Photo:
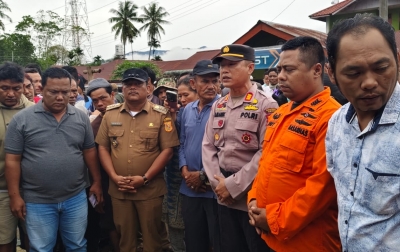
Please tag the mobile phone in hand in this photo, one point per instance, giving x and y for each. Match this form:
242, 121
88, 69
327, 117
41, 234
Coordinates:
172, 99
93, 200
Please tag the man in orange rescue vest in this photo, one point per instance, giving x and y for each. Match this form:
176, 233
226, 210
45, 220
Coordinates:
292, 203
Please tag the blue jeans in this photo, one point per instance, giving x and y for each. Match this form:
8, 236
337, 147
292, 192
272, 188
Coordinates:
69, 217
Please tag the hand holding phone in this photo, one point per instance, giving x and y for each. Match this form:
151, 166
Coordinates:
93, 200
172, 99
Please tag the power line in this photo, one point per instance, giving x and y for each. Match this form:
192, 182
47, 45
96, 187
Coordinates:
173, 18
283, 10
186, 7
197, 9
101, 7
203, 26
21, 20
180, 5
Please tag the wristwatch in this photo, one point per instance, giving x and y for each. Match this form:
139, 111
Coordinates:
145, 180
203, 176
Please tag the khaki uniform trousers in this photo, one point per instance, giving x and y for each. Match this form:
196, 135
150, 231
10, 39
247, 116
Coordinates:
131, 216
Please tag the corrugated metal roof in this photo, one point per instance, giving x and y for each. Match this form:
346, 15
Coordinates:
332, 9
298, 31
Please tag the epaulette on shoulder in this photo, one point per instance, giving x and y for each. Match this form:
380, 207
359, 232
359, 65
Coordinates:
113, 106
160, 109
262, 92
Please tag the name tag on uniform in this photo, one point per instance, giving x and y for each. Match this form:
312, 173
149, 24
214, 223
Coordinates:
116, 124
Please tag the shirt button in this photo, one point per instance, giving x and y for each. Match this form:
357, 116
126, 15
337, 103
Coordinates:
346, 222
130, 146
355, 165
351, 193
131, 131
129, 161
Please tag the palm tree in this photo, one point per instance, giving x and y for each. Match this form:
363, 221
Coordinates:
3, 8
131, 37
153, 19
124, 17
153, 43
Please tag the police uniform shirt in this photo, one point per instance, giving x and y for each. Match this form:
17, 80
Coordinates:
232, 141
135, 142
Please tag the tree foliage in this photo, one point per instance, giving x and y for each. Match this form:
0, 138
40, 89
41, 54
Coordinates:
74, 57
3, 9
121, 68
44, 28
97, 61
123, 21
154, 19
153, 43
58, 54
16, 47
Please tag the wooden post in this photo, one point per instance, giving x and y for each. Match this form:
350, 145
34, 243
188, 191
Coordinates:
383, 9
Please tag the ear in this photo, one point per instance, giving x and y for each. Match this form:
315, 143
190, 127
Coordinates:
112, 94
331, 75
192, 83
148, 88
250, 68
398, 59
318, 70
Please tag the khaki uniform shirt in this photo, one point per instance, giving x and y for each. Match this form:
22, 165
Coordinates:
233, 140
135, 142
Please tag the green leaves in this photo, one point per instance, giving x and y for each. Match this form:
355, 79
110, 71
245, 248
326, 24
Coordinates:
16, 47
3, 9
123, 20
117, 73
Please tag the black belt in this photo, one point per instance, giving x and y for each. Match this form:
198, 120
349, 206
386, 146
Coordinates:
226, 173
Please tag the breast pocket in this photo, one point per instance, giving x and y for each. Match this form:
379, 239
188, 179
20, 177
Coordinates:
246, 134
116, 137
381, 190
291, 152
148, 140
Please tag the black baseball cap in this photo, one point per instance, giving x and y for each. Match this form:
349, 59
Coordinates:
235, 53
205, 67
136, 74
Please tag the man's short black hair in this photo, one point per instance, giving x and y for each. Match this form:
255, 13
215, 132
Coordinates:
150, 73
109, 90
358, 25
12, 72
55, 73
35, 66
31, 70
273, 69
72, 71
311, 51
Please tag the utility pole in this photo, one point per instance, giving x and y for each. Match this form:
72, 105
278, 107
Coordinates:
383, 9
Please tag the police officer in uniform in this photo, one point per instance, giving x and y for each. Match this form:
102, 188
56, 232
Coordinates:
232, 146
136, 140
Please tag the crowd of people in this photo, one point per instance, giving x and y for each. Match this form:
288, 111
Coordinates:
307, 161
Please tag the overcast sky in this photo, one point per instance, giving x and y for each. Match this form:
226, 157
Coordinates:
224, 21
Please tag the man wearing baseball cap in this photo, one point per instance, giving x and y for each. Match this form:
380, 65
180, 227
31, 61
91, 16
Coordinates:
136, 140
232, 146
199, 204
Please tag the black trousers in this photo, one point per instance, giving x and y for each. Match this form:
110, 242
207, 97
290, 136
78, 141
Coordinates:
236, 232
200, 216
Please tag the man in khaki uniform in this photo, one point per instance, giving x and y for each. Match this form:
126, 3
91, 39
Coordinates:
135, 143
232, 146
